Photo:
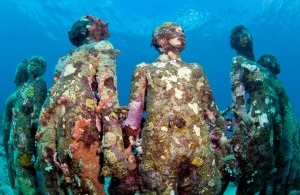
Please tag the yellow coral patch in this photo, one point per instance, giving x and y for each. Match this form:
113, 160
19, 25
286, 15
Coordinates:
90, 103
198, 162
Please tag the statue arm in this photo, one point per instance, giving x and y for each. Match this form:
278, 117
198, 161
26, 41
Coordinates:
212, 116
137, 99
106, 76
40, 94
238, 91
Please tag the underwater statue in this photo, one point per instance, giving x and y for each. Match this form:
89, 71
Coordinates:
256, 118
288, 156
20, 78
183, 126
69, 135
30, 98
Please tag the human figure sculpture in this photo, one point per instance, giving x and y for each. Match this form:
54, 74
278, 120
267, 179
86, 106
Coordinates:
256, 119
181, 119
288, 156
20, 78
26, 110
69, 136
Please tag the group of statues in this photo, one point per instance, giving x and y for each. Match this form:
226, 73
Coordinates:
170, 139
266, 138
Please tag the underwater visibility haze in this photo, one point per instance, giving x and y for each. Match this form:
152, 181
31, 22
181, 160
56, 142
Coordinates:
33, 27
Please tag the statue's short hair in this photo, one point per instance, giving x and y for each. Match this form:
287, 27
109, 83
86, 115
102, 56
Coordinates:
163, 33
38, 64
88, 29
270, 62
21, 75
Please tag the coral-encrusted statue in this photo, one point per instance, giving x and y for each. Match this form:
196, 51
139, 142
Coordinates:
257, 120
26, 110
288, 156
68, 139
182, 118
20, 78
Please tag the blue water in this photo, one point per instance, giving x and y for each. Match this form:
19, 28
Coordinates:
30, 27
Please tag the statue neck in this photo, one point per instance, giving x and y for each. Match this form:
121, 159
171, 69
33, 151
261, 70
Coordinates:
169, 55
247, 54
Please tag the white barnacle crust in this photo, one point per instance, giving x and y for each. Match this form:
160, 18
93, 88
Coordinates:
178, 93
168, 80
257, 111
174, 63
143, 64
213, 162
184, 73
200, 83
164, 128
159, 64
194, 107
176, 108
69, 70
224, 139
149, 79
176, 140
249, 66
197, 130
263, 119
103, 45
234, 60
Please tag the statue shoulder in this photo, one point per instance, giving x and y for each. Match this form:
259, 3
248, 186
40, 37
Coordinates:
103, 45
238, 60
142, 65
196, 68
194, 65
140, 69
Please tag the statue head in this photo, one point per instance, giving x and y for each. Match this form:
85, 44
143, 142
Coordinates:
88, 29
36, 66
240, 38
168, 37
269, 61
21, 75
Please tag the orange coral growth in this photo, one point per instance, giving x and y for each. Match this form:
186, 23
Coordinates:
111, 94
193, 145
101, 104
38, 135
45, 115
90, 159
81, 123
